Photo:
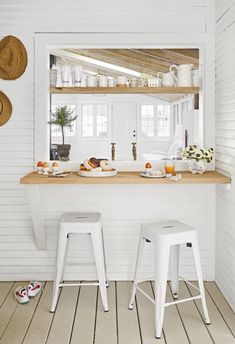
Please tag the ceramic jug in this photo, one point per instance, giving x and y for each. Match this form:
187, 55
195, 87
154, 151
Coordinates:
168, 79
122, 80
91, 81
184, 74
102, 81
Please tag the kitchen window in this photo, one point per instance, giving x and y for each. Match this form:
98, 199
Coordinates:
94, 119
155, 121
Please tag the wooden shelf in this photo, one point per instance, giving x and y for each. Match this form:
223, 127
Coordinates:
125, 90
212, 177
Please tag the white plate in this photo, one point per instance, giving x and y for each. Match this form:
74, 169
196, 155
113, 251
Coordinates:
148, 175
97, 174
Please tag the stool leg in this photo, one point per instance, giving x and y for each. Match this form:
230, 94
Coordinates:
137, 269
99, 260
162, 253
175, 270
200, 280
105, 265
60, 261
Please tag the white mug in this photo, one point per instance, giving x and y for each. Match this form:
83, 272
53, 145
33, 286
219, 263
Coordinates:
195, 76
91, 81
122, 80
133, 82
168, 79
102, 81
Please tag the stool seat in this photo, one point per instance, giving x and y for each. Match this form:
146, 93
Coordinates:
81, 223
172, 230
77, 218
167, 236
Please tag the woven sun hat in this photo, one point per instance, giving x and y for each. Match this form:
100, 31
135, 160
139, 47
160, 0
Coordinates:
13, 58
5, 109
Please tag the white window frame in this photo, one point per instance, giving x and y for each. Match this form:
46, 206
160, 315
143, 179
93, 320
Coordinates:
155, 137
96, 138
46, 41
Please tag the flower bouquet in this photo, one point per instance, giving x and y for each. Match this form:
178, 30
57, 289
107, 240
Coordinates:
197, 156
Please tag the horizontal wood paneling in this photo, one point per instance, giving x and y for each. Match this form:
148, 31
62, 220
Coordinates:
225, 146
103, 16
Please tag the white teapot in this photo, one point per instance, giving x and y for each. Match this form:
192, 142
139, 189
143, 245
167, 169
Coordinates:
184, 74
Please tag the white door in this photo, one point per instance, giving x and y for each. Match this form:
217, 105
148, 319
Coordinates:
124, 128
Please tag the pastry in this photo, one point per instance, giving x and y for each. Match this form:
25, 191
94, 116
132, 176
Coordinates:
94, 162
87, 165
106, 166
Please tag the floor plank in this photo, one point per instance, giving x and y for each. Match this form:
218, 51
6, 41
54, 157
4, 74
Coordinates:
218, 328
222, 304
106, 326
19, 322
39, 328
84, 323
146, 316
8, 307
80, 318
5, 288
63, 319
173, 326
128, 329
194, 326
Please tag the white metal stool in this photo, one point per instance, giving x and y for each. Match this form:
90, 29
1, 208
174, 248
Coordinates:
167, 237
81, 223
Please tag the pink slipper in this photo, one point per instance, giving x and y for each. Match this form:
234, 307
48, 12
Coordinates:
21, 295
33, 288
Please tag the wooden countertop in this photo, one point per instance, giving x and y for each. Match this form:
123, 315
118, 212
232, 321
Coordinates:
212, 177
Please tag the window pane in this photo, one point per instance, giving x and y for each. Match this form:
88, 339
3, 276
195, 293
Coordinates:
147, 120
87, 120
163, 112
102, 120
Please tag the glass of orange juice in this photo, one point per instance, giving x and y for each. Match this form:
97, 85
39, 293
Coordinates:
170, 167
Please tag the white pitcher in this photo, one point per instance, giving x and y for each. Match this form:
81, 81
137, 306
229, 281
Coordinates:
102, 81
184, 74
168, 79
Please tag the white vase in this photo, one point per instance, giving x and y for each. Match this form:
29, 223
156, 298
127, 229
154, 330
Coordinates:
196, 167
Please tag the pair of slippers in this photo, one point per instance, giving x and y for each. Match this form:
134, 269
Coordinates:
22, 294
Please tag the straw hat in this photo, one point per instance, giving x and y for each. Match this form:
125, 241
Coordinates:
13, 58
5, 109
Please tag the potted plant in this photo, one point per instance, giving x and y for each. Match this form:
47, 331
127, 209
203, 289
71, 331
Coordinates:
197, 156
63, 118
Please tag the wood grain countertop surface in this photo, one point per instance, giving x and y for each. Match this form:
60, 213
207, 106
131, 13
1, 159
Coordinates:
210, 177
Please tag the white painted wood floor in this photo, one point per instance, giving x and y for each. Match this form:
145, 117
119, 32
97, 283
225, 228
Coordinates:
80, 319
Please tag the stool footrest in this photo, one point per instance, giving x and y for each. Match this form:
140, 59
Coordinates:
183, 300
145, 294
78, 284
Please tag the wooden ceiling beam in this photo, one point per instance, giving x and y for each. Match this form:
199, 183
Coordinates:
134, 62
170, 56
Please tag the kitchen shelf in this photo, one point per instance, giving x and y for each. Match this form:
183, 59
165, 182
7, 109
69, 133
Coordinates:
124, 90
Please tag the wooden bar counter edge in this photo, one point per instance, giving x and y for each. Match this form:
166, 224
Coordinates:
210, 177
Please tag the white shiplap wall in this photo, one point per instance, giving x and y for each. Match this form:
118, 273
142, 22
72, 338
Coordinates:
225, 146
19, 258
